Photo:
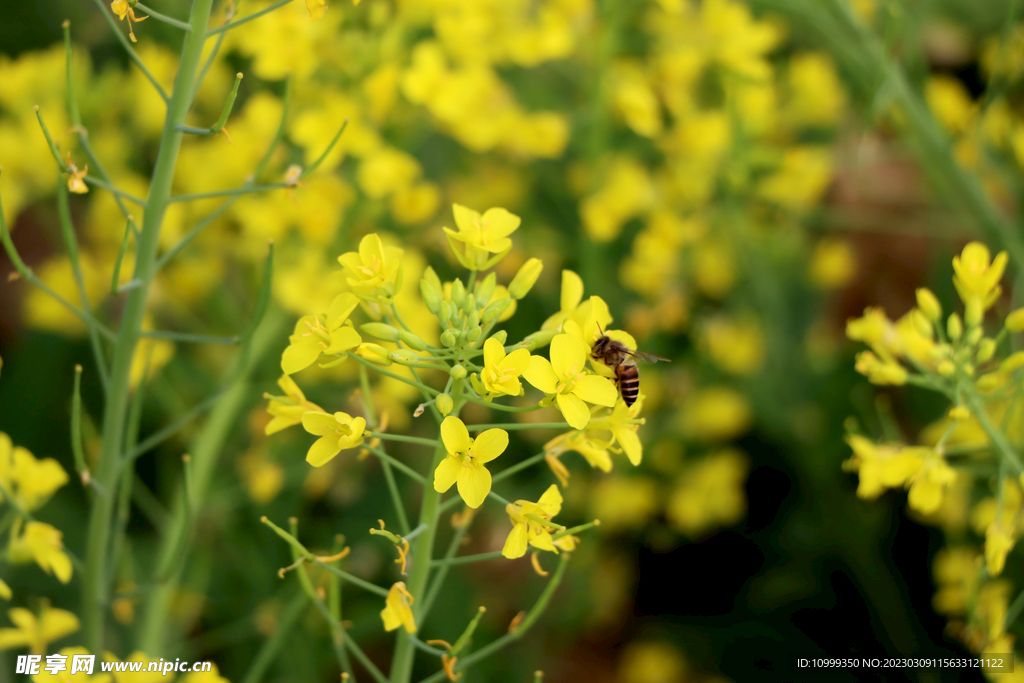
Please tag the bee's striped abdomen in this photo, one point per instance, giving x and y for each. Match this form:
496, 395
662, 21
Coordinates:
629, 382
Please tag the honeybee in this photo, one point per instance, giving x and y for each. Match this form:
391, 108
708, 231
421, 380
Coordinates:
615, 354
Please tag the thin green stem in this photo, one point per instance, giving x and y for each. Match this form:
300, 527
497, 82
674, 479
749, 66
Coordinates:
132, 54
507, 409
442, 572
535, 612
466, 559
246, 19
155, 439
509, 471
406, 439
398, 464
105, 185
188, 337
509, 426
273, 645
389, 476
184, 26
236, 191
71, 245
388, 373
997, 437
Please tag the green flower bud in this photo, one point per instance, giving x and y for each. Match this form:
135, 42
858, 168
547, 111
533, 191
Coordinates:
1013, 362
973, 336
946, 368
431, 295
445, 312
444, 404
921, 324
381, 331
954, 328
430, 276
405, 357
469, 304
449, 338
1015, 321
929, 304
991, 381
375, 353
412, 340
458, 293
474, 318
457, 372
485, 289
494, 310
474, 333
524, 280
986, 349
501, 336
538, 339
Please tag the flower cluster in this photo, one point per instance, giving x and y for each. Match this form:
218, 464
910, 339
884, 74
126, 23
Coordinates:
966, 468
478, 368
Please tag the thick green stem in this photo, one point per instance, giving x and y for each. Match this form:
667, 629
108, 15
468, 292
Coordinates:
206, 452
95, 587
419, 572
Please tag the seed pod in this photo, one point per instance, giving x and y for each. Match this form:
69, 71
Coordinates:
444, 404
501, 336
524, 280
381, 331
538, 339
412, 340
457, 372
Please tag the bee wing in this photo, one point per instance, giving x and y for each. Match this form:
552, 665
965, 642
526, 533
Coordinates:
647, 357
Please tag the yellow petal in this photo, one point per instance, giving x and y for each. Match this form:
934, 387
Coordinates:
568, 354
515, 544
446, 473
498, 223
300, 355
573, 409
540, 374
517, 361
494, 352
455, 435
543, 541
343, 339
316, 423
489, 445
465, 219
597, 390
341, 309
5, 590
474, 485
572, 290
630, 443
551, 501
325, 448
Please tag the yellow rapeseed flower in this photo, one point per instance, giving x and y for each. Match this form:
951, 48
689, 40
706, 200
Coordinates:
500, 374
976, 276
337, 432
526, 530
40, 543
397, 609
30, 481
76, 178
375, 271
465, 462
288, 410
484, 237
312, 337
123, 9
998, 543
566, 379
34, 632
882, 466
